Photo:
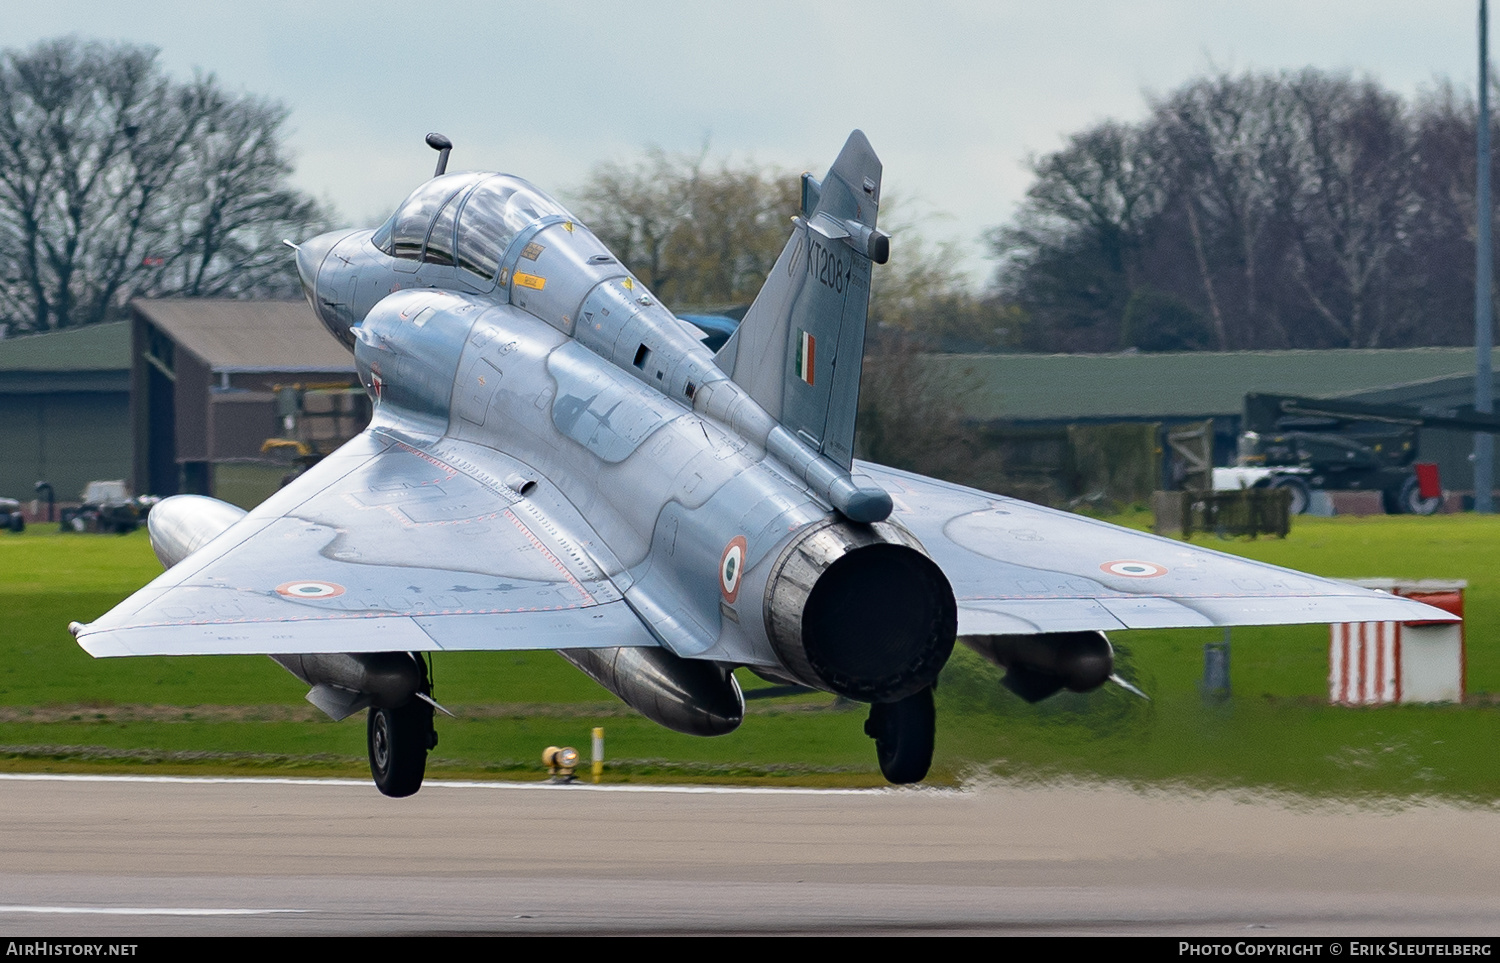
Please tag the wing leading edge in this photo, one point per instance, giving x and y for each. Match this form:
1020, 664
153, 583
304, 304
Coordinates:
384, 546
1020, 569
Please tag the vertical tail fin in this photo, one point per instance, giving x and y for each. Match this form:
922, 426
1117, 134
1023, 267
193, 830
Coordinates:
800, 348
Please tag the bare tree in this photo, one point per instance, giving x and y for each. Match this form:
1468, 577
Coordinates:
1220, 132
1442, 235
705, 235
1299, 210
222, 238
923, 298
697, 234
1072, 256
1347, 192
116, 181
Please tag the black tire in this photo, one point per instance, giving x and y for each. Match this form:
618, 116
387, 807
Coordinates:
1411, 502
904, 733
1301, 494
18, 523
398, 740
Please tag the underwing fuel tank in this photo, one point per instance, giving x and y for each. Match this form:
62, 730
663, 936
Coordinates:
1037, 666
182, 524
344, 683
690, 696
861, 611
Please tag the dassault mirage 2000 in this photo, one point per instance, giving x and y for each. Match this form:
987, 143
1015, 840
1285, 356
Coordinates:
556, 461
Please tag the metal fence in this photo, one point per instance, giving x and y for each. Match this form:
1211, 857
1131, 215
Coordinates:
1227, 514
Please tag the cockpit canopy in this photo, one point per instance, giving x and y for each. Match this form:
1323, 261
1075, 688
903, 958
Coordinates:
466, 220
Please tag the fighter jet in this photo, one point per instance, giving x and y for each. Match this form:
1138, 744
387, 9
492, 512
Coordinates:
556, 461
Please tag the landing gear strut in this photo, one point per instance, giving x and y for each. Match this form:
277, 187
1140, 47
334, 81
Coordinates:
904, 732
399, 739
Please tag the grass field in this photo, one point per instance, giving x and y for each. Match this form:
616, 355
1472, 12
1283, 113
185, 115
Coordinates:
61, 710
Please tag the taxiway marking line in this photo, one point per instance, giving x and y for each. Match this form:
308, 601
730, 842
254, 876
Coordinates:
144, 910
474, 784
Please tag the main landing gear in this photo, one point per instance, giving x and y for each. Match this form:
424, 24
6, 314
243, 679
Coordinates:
399, 739
904, 732
399, 736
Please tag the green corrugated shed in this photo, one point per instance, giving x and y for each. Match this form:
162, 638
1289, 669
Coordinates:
1036, 387
101, 347
65, 409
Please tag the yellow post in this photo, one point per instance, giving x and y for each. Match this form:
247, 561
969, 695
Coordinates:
598, 753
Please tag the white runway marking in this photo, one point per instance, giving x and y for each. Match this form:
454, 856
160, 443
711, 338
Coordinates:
474, 784
144, 910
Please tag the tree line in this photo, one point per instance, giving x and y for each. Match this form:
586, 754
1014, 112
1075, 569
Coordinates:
704, 235
1289, 210
1252, 211
117, 181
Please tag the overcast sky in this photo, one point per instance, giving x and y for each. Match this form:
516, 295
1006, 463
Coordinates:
954, 96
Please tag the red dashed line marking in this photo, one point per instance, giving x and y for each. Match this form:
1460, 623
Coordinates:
556, 562
449, 470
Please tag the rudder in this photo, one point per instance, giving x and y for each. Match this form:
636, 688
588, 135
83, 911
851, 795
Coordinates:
800, 349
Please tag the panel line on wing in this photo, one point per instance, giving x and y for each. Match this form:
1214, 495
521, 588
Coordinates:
535, 519
1016, 567
263, 516
516, 501
547, 554
339, 616
426, 456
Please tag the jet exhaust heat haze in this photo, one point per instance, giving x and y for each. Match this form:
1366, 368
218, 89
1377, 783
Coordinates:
556, 461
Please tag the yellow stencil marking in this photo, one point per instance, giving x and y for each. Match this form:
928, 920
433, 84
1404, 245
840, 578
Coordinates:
530, 281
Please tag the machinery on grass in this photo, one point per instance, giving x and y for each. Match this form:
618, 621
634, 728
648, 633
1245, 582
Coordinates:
1324, 444
107, 506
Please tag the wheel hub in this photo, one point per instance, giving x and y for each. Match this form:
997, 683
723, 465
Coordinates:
381, 744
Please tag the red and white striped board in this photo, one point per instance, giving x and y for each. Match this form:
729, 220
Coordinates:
1364, 663
1375, 663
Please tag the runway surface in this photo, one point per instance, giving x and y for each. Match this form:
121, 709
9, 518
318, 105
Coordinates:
118, 857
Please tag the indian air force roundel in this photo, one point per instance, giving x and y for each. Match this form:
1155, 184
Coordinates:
731, 568
1130, 568
309, 590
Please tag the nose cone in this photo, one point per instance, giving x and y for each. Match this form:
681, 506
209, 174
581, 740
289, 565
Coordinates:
310, 256
328, 289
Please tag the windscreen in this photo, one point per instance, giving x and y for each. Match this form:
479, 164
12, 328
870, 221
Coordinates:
492, 215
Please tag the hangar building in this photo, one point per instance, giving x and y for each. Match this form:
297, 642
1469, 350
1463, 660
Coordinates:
204, 380
182, 397
64, 410
1028, 400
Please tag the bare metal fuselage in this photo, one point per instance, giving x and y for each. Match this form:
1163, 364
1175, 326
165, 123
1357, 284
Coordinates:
571, 385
